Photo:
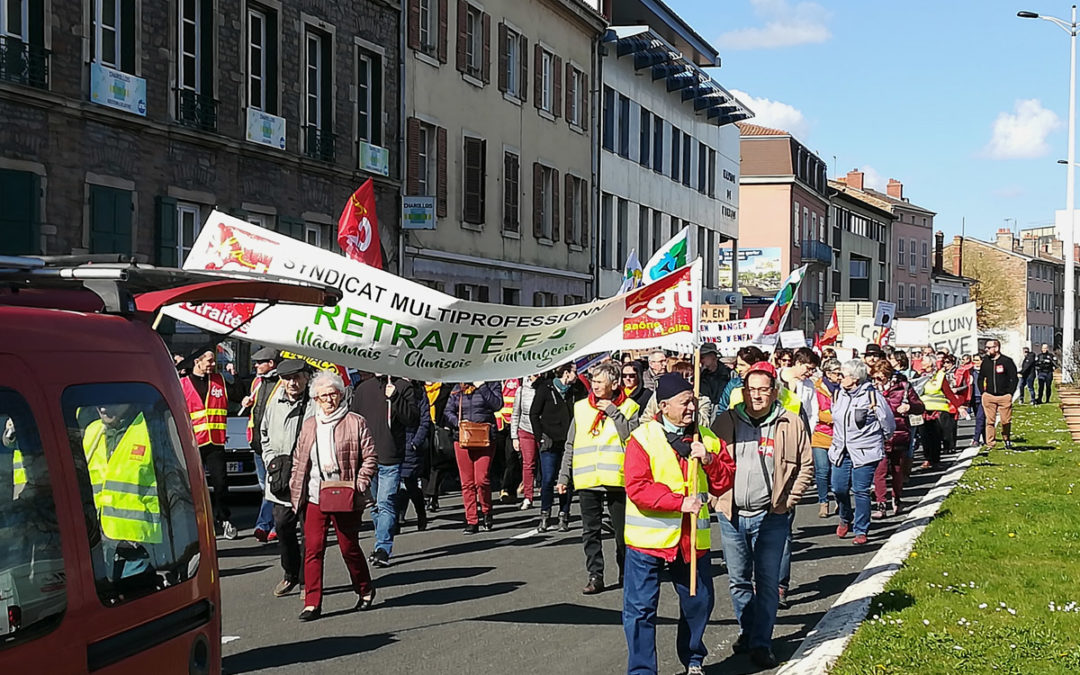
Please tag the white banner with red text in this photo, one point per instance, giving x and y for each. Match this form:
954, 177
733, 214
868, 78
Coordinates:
390, 325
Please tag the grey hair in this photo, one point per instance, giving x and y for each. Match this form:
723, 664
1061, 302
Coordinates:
829, 365
855, 368
610, 370
324, 377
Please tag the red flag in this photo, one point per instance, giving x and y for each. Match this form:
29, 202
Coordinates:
817, 342
832, 331
746, 315
358, 227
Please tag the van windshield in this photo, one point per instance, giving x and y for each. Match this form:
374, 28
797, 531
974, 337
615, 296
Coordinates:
135, 488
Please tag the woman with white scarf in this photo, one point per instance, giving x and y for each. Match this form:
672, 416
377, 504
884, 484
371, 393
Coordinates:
334, 445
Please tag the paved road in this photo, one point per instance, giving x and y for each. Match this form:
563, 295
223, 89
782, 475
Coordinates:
504, 601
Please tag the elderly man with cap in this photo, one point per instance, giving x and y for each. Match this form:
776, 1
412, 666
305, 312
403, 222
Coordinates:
667, 525
288, 407
774, 466
262, 386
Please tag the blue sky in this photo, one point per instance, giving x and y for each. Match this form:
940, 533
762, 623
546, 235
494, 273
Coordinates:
962, 101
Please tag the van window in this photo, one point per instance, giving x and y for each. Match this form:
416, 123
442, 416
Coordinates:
33, 587
135, 489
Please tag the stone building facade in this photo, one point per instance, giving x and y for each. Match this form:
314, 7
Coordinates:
122, 131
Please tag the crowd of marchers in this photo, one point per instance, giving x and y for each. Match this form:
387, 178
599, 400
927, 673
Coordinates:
650, 457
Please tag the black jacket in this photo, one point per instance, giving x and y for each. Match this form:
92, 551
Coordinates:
997, 377
370, 402
1028, 364
714, 383
1045, 363
550, 415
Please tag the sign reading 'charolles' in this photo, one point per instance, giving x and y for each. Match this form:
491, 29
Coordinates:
390, 325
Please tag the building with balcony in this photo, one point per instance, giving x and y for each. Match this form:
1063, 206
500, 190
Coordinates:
500, 118
124, 123
860, 238
911, 263
784, 213
669, 147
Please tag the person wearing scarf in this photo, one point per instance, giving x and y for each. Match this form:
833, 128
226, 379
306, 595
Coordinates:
595, 449
666, 525
336, 445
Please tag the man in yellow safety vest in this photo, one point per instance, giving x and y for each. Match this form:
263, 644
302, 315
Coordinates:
595, 446
667, 524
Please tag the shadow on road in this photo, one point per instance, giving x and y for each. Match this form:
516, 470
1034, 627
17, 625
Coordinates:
445, 596
237, 571
307, 651
565, 614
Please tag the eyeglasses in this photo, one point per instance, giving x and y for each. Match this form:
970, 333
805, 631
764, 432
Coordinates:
629, 376
329, 396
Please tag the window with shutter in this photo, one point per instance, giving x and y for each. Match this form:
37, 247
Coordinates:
547, 79
113, 38
166, 235
441, 178
609, 119
606, 233
188, 224
19, 220
369, 96
512, 69
110, 220
511, 191
473, 183
262, 58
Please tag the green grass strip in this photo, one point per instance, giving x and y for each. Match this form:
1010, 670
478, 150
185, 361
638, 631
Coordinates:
993, 584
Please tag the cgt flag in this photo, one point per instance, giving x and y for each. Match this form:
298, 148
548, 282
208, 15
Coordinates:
358, 227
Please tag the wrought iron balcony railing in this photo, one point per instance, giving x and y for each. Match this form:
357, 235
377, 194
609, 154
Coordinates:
319, 144
23, 63
196, 110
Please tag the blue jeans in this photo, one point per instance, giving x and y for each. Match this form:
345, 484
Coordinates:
265, 520
979, 435
641, 596
549, 474
752, 547
1029, 383
846, 479
785, 557
821, 474
387, 482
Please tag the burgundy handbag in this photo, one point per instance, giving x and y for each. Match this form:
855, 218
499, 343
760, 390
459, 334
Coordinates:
335, 496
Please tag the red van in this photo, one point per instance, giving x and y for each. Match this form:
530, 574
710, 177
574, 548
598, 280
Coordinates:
107, 556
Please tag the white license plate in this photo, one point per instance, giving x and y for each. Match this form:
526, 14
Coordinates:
234, 467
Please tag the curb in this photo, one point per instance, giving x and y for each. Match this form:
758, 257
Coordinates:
827, 641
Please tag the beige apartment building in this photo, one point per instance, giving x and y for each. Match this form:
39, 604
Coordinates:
499, 122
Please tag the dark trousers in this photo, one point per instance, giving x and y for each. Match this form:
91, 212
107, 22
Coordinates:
213, 458
592, 514
434, 482
933, 438
348, 536
1046, 382
948, 432
979, 435
285, 522
411, 493
511, 476
549, 474
1028, 382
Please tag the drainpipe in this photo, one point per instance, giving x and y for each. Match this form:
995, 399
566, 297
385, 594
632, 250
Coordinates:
402, 158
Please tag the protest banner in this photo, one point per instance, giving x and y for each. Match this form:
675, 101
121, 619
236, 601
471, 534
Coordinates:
955, 329
731, 336
867, 330
793, 339
390, 325
911, 332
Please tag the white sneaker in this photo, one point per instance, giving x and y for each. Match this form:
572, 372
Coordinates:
229, 530
526, 505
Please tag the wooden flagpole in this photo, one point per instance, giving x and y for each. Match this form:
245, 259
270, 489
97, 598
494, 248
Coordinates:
693, 469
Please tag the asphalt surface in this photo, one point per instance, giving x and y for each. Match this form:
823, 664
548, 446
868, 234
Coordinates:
503, 601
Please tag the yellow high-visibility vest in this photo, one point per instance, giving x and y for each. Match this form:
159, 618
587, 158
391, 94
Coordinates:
19, 470
125, 484
598, 458
655, 530
932, 397
786, 397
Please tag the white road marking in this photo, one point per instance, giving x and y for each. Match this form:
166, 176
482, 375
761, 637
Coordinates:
226, 639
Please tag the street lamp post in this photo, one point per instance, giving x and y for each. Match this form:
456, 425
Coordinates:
1069, 311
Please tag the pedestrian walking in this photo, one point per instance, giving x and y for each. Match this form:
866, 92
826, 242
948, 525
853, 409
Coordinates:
521, 431
414, 464
773, 468
207, 402
862, 423
998, 378
471, 414
821, 437
1044, 372
1027, 375
978, 435
506, 446
667, 525
334, 465
939, 422
595, 450
551, 412
906, 407
286, 411
658, 365
262, 388
442, 460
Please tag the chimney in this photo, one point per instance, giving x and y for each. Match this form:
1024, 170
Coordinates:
939, 244
1029, 245
1057, 248
895, 189
855, 179
1004, 238
958, 256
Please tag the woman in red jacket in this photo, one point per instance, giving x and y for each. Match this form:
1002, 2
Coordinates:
904, 402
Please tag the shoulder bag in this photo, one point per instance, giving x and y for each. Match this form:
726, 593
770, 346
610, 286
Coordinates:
279, 469
913, 420
335, 496
472, 435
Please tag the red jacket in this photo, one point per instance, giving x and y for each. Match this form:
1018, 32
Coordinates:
648, 494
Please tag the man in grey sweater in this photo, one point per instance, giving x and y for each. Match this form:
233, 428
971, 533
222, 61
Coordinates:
285, 412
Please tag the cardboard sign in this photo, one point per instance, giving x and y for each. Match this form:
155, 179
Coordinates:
792, 339
954, 329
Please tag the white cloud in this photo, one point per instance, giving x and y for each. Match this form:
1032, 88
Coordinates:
775, 114
786, 24
1022, 134
873, 179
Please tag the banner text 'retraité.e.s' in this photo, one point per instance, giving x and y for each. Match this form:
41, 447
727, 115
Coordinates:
391, 325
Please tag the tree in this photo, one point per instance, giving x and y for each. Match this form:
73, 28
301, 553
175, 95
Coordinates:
998, 301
